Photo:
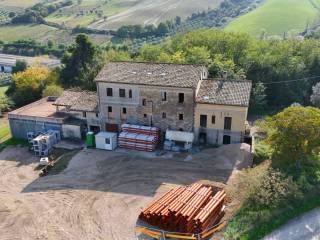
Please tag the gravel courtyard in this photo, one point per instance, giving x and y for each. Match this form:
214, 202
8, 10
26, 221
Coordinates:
100, 194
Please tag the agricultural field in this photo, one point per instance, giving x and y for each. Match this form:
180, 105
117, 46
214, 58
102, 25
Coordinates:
4, 16
278, 16
17, 5
37, 32
112, 14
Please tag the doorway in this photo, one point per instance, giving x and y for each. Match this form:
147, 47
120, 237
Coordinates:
226, 139
95, 129
112, 127
202, 138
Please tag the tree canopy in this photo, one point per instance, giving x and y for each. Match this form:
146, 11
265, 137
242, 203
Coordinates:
82, 63
271, 62
20, 66
294, 135
28, 85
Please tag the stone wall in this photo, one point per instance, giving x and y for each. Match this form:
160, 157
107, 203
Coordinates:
154, 109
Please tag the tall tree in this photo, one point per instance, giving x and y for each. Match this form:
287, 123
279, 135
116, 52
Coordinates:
29, 84
294, 135
81, 64
258, 98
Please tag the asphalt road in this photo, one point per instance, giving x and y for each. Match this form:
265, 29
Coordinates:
306, 227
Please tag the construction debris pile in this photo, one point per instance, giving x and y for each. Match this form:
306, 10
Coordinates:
139, 138
191, 209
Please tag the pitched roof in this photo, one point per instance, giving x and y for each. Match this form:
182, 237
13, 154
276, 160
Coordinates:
224, 92
171, 75
78, 100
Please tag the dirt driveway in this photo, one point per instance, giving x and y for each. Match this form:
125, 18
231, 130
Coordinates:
100, 194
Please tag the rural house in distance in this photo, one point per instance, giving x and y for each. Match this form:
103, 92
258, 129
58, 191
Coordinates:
168, 96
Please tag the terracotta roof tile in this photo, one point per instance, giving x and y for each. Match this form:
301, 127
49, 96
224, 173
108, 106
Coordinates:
171, 75
225, 92
78, 100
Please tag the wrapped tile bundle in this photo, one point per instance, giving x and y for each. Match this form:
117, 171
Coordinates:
138, 142
145, 130
190, 209
139, 138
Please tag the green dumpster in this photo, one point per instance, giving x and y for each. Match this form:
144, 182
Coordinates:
90, 140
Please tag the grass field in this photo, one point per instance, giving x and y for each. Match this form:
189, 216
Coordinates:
37, 32
278, 16
17, 4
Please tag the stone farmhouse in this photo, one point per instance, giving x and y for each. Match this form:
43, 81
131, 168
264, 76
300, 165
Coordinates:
169, 96
175, 97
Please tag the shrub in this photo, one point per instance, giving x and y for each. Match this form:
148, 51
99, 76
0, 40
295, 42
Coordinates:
263, 186
52, 90
262, 152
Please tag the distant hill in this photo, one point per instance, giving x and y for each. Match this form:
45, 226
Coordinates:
278, 16
112, 14
95, 14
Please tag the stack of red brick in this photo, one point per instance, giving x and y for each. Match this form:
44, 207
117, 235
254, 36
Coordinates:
140, 138
191, 209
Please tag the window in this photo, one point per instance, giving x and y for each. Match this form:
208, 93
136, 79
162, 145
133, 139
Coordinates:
181, 97
122, 92
109, 92
145, 115
84, 114
164, 96
164, 115
180, 116
110, 109
203, 121
227, 123
130, 93
97, 115
144, 102
107, 140
124, 110
213, 119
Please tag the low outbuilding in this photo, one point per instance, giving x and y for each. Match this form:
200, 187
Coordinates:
106, 140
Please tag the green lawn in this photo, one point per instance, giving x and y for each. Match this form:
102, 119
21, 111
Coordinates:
5, 133
278, 16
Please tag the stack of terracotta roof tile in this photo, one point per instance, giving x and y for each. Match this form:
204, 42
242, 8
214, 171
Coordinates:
145, 130
191, 209
140, 138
